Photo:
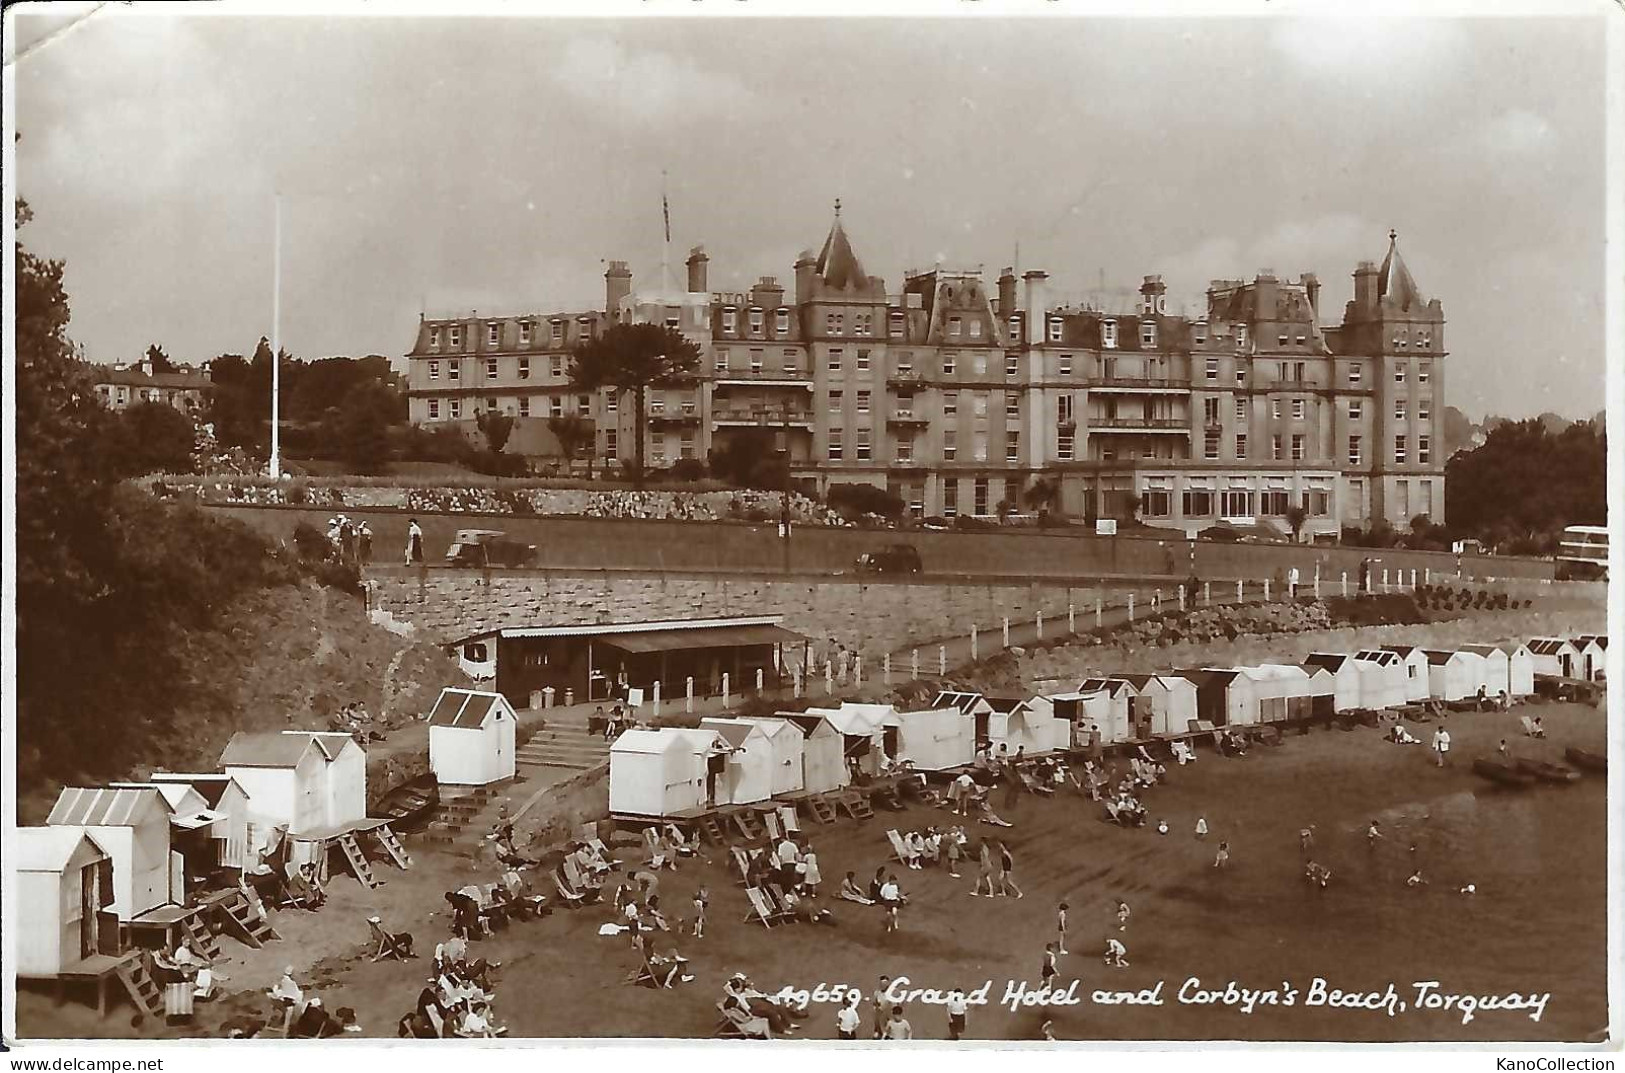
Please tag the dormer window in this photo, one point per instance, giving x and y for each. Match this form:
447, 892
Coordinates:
953, 327
493, 334
896, 325
1201, 331
976, 329
781, 321
1241, 337
1055, 329
1015, 328
434, 338
756, 322
454, 336
1148, 333
558, 332
524, 333
730, 319
584, 327
1108, 334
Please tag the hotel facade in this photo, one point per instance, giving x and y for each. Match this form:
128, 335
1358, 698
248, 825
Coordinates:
958, 398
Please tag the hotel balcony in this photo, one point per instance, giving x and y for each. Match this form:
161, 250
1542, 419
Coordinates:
911, 378
907, 417
763, 377
675, 419
1153, 385
908, 463
761, 416
1176, 425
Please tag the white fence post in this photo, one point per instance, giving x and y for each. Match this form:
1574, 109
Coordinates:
1071, 618
857, 671
1039, 621
885, 668
914, 663
795, 682
1097, 612
688, 702
1006, 634
974, 655
1181, 597
1345, 584
1207, 592
758, 679
725, 692
654, 699
942, 659
1240, 592
1413, 580
1266, 590
1317, 584
1385, 579
829, 677
1131, 607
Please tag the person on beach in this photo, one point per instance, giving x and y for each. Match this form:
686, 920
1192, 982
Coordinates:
1201, 828
1122, 915
852, 892
414, 542
1060, 927
1222, 858
967, 791
1007, 868
951, 850
1441, 745
1317, 875
1503, 750
1415, 879
1306, 838
1050, 969
701, 900
1162, 827
897, 1027
1047, 1030
1116, 953
984, 873
847, 1019
957, 1006
881, 1004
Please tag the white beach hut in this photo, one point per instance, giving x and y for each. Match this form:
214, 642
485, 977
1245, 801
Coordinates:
749, 774
935, 739
664, 772
1554, 656
1417, 674
130, 825
230, 802
310, 783
823, 760
1117, 724
1347, 692
862, 736
471, 738
1593, 650
1493, 668
1452, 674
789, 747
1389, 683
1172, 700
63, 912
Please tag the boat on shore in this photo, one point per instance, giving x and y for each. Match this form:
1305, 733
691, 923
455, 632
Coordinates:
1586, 760
1502, 774
1547, 772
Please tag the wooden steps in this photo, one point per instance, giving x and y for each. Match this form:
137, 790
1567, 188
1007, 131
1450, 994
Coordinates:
237, 917
200, 938
358, 860
820, 809
711, 830
391, 842
749, 824
855, 805
142, 988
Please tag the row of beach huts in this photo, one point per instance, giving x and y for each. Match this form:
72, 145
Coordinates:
686, 773
132, 865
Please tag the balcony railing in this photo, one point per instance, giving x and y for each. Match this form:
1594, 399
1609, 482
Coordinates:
797, 377
906, 378
759, 415
1152, 383
1139, 424
906, 417
675, 417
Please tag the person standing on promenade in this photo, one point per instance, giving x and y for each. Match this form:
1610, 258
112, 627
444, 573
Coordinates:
957, 1007
1441, 745
1060, 927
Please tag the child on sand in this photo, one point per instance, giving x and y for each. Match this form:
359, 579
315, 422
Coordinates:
1201, 828
1372, 833
951, 850
1060, 926
881, 1004
1223, 856
1051, 970
701, 900
1007, 869
984, 871
1122, 915
846, 1018
1116, 953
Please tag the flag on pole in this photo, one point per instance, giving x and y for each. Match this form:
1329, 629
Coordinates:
665, 212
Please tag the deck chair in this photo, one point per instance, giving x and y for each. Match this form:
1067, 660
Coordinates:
727, 1027
787, 819
576, 879
899, 851
644, 975
1529, 727
686, 846
1033, 786
437, 1021
571, 896
773, 894
760, 912
741, 863
389, 946
302, 892
770, 820
651, 840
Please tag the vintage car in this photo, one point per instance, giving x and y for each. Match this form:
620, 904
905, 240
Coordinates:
488, 547
891, 559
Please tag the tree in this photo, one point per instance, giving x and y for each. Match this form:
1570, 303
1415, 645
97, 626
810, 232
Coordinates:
497, 427
154, 438
160, 361
1524, 483
363, 427
573, 433
747, 459
1044, 493
634, 358
1296, 516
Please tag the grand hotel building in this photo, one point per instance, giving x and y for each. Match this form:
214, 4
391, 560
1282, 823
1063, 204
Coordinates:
957, 398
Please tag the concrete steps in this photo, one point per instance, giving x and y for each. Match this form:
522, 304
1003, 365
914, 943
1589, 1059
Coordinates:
465, 815
564, 745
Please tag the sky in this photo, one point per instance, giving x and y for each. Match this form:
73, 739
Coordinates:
444, 165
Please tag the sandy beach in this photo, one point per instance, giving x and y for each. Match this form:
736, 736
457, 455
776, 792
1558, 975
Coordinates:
1535, 924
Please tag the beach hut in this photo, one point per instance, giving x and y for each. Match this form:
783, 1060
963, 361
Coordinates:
305, 781
788, 743
823, 760
131, 825
1346, 679
1225, 696
1453, 675
665, 772
471, 738
63, 912
748, 777
1286, 690
1554, 656
991, 720
230, 802
1118, 723
1493, 668
1389, 681
862, 736
1322, 689
1520, 668
1593, 650
1416, 670
969, 703
935, 739
1084, 714
192, 830
1172, 700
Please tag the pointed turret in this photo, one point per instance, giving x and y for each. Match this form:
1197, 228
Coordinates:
1394, 282
837, 265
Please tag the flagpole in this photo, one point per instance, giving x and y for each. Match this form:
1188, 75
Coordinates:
276, 352
665, 249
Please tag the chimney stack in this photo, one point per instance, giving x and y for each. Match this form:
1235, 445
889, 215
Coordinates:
1311, 287
1365, 287
617, 285
1007, 292
768, 293
806, 266
1153, 297
1267, 295
1033, 285
697, 260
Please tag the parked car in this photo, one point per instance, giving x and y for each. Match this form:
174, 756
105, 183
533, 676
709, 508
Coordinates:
891, 559
488, 547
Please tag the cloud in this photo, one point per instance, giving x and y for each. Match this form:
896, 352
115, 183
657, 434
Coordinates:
646, 87
1328, 246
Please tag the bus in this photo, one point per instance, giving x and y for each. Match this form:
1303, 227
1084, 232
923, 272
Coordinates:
1582, 553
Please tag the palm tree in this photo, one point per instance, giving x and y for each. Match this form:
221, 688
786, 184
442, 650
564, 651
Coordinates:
573, 432
634, 357
1296, 515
